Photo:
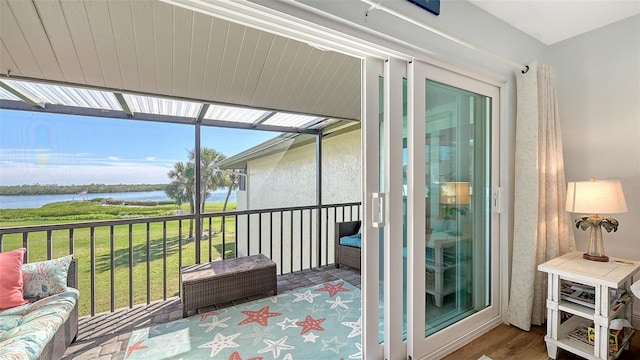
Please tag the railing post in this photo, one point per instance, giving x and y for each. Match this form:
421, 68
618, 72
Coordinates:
223, 230
49, 245
25, 244
112, 266
92, 262
164, 260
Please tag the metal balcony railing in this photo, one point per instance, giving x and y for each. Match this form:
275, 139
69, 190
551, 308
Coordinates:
123, 263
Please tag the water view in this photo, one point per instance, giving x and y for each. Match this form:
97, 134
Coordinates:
36, 201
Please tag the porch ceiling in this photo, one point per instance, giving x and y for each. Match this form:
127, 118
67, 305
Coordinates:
153, 48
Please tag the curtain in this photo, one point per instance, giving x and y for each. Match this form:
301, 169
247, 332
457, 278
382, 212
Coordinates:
542, 227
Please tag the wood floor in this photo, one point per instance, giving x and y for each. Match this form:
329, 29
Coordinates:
510, 343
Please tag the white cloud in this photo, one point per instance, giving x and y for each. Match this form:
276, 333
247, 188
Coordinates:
129, 173
22, 166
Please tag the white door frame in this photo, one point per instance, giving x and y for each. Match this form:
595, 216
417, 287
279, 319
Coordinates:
372, 69
394, 72
460, 333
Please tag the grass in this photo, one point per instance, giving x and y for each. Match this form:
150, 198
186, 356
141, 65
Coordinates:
108, 264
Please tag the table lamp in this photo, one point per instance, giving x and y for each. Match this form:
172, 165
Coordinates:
596, 197
455, 193
455, 198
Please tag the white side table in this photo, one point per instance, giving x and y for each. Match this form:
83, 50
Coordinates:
603, 276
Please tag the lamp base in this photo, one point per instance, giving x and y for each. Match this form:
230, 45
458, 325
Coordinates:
601, 258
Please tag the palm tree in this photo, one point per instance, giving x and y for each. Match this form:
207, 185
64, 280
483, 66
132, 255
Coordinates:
232, 182
210, 178
182, 187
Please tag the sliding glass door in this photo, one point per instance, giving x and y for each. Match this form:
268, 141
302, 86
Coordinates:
451, 174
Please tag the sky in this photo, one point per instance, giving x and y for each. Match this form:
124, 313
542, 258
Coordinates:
42, 148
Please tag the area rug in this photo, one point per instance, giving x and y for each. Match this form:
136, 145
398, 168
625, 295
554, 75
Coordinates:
319, 322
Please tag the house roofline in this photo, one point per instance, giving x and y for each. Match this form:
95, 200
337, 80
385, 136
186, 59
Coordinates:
283, 142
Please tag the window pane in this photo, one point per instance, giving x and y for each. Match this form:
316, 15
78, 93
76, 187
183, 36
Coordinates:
457, 174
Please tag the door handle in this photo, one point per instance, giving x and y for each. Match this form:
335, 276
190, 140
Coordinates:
377, 210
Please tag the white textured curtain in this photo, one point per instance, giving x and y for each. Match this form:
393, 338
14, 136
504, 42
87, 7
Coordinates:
542, 228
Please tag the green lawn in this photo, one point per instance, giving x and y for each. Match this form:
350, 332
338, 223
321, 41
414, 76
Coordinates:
156, 250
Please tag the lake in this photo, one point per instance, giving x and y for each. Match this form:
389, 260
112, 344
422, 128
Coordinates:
36, 201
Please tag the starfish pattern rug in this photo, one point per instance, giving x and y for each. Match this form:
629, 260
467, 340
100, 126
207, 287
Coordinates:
319, 322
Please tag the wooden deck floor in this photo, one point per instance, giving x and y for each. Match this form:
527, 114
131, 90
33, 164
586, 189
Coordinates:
510, 343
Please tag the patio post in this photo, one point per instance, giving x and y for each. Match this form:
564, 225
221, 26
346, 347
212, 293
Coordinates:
319, 195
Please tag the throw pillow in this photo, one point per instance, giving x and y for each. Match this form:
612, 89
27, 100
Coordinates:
45, 278
11, 281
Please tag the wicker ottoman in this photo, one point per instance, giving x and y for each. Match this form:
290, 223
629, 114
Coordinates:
221, 281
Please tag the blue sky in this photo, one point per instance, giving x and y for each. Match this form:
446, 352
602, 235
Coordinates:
64, 149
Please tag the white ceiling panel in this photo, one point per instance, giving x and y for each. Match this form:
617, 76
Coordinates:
122, 27
17, 46
151, 47
231, 52
42, 53
57, 31
182, 30
163, 35
218, 33
263, 86
199, 52
256, 70
77, 19
105, 43
5, 59
244, 61
145, 43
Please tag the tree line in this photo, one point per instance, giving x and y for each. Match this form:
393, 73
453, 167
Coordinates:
41, 189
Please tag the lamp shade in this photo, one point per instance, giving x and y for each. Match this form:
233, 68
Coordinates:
595, 197
455, 193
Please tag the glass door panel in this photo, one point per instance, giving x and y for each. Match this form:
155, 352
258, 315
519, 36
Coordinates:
452, 170
456, 226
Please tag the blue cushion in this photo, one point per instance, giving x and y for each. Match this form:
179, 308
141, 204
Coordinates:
352, 240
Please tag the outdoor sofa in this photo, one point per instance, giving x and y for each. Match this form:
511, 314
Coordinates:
44, 328
348, 243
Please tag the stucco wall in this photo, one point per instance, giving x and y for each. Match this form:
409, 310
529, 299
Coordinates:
289, 178
283, 179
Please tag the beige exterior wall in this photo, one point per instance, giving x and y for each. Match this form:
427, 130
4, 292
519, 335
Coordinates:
288, 179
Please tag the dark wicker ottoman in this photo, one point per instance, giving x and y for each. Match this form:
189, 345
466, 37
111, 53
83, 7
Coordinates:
221, 281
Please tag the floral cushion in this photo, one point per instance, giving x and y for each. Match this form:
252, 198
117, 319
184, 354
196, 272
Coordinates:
45, 278
25, 330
